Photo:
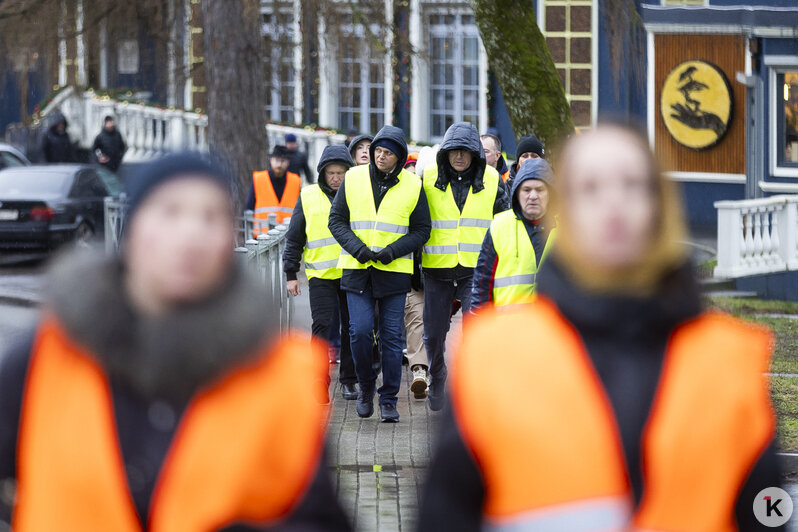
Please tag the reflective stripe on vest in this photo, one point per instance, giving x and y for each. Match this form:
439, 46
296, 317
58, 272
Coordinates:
321, 249
266, 199
378, 228
71, 476
553, 466
515, 280
611, 513
456, 237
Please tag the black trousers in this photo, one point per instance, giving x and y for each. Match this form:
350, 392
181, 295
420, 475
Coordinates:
327, 298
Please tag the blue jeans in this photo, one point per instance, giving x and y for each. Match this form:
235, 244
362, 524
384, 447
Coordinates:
361, 334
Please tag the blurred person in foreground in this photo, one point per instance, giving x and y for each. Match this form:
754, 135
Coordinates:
157, 392
613, 400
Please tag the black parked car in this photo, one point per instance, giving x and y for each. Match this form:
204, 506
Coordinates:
42, 206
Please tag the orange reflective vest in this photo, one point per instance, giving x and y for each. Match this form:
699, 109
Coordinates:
546, 440
506, 176
246, 449
266, 201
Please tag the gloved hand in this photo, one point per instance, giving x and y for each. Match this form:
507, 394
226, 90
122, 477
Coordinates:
385, 255
365, 255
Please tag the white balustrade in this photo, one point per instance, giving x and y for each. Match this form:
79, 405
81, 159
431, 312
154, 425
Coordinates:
150, 132
757, 236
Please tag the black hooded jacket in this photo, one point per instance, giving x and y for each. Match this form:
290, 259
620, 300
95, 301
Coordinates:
56, 146
488, 260
464, 135
111, 144
296, 237
380, 282
625, 338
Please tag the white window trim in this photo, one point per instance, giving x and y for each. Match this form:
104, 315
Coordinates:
274, 8
662, 2
707, 177
425, 133
775, 68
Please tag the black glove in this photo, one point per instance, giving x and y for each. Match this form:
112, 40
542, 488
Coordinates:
365, 255
385, 255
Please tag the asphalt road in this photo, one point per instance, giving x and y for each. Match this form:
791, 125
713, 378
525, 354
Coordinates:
15, 322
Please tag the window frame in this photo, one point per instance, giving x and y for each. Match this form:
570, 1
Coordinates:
777, 66
459, 32
285, 37
368, 57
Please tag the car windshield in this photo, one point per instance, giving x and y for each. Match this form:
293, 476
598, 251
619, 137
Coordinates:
25, 182
111, 181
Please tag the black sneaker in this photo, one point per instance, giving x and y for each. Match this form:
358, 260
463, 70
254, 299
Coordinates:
436, 398
365, 403
349, 391
388, 413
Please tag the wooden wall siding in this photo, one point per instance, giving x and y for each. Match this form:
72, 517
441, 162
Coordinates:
727, 52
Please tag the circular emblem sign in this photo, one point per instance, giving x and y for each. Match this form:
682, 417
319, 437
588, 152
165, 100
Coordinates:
696, 104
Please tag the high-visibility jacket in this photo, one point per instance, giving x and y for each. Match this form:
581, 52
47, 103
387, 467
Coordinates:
506, 175
321, 249
266, 201
377, 228
456, 237
546, 439
515, 280
247, 449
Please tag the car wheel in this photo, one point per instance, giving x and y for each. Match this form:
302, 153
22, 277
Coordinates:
84, 234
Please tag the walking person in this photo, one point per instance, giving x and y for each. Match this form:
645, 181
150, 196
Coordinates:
156, 393
297, 159
309, 237
379, 216
109, 148
57, 147
528, 148
613, 401
518, 241
274, 191
492, 147
360, 149
464, 194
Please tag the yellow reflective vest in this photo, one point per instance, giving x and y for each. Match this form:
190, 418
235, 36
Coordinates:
456, 237
515, 281
321, 249
377, 228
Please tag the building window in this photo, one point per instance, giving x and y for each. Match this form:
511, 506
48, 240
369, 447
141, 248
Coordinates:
454, 71
361, 80
786, 119
278, 32
567, 26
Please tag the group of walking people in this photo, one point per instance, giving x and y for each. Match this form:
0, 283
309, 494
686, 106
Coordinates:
589, 391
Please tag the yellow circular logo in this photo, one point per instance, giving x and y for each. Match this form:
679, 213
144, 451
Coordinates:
696, 104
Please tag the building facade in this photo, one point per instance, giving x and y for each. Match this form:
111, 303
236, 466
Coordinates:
714, 82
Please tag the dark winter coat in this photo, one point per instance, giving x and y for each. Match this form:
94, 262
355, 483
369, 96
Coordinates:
488, 260
111, 144
298, 163
296, 237
56, 146
625, 339
380, 282
464, 135
146, 367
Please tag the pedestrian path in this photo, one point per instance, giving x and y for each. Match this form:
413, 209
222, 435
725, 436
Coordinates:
379, 468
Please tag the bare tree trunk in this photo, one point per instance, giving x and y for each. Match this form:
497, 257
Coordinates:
235, 86
528, 79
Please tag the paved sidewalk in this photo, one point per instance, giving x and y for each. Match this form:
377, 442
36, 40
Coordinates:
381, 467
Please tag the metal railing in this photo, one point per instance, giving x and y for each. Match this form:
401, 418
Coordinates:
757, 236
264, 255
